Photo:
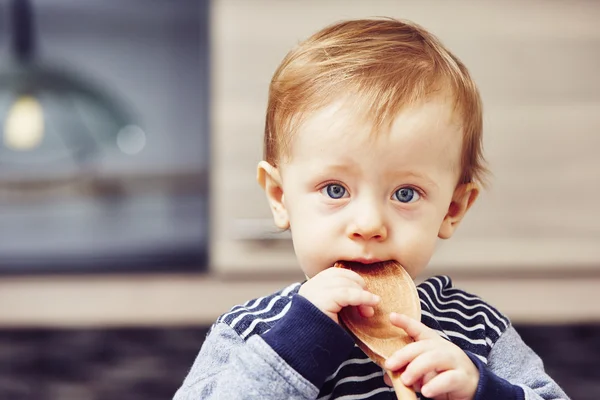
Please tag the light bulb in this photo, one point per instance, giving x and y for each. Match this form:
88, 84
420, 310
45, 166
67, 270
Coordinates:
24, 124
131, 139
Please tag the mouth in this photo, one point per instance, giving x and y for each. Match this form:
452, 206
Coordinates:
362, 261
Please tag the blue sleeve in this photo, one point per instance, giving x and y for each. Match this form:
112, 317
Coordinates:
492, 387
309, 341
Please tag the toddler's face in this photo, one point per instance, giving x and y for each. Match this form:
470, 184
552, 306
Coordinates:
349, 195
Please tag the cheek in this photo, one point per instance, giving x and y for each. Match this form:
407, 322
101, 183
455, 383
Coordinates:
417, 248
312, 240
416, 241
309, 254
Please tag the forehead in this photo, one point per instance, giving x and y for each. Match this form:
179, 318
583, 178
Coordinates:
425, 132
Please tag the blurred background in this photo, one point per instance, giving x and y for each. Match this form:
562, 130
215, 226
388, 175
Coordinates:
129, 213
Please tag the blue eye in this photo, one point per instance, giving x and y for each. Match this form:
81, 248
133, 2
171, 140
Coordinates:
406, 195
334, 191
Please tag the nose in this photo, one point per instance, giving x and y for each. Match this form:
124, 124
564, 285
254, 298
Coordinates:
368, 225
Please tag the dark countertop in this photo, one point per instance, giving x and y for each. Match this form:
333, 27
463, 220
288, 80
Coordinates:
150, 363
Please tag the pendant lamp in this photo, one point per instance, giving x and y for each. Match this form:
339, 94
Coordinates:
53, 121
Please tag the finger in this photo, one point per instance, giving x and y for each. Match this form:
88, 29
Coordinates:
425, 363
427, 377
412, 327
420, 382
348, 274
366, 311
337, 281
451, 381
407, 354
347, 296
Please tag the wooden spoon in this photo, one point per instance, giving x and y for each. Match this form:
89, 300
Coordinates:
376, 335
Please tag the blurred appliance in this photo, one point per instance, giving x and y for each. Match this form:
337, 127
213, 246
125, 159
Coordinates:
104, 170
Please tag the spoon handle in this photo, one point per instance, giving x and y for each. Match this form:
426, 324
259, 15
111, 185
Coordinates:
402, 392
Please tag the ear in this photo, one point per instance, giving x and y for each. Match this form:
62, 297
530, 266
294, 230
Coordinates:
269, 179
463, 198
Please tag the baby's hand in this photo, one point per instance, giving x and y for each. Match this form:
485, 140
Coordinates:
439, 367
335, 288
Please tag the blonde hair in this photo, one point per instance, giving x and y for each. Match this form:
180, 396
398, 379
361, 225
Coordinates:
388, 64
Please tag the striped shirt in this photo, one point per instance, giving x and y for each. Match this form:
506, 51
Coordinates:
458, 316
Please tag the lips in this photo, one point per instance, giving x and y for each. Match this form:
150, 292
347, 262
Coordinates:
365, 260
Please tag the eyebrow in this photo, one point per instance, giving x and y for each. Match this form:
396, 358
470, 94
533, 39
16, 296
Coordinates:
339, 167
418, 176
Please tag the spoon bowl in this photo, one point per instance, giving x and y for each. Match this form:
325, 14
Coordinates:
375, 335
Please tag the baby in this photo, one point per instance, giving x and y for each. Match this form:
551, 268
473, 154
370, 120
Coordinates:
373, 151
